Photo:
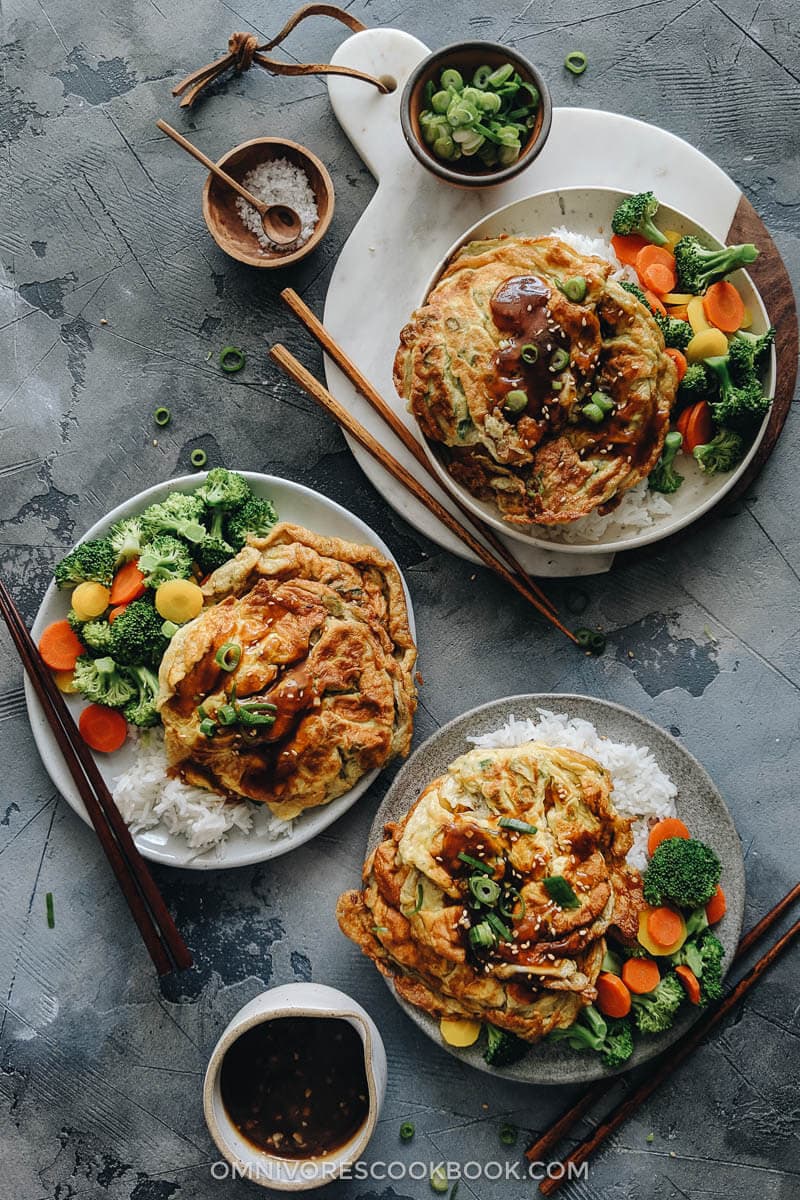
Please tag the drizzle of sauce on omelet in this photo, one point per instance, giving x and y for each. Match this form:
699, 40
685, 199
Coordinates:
519, 310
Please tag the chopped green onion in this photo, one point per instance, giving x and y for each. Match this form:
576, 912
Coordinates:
198, 458
501, 75
420, 898
575, 289
475, 863
509, 902
407, 1131
481, 77
559, 360
253, 716
482, 935
516, 400
556, 385
162, 416
499, 928
379, 929
593, 413
439, 1181
208, 727
228, 656
560, 891
231, 359
591, 639
529, 353
517, 825
485, 890
452, 78
169, 629
576, 62
51, 916
508, 1134
226, 715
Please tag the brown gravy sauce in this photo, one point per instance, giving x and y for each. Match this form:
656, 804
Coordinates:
519, 310
296, 1086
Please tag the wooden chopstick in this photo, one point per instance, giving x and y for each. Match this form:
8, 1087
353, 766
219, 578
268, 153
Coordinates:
296, 371
374, 398
669, 1063
539, 1150
164, 943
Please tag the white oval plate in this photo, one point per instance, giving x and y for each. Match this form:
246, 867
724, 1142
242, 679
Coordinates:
588, 211
296, 504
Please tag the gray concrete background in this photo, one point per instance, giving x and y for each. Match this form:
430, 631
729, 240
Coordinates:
100, 1067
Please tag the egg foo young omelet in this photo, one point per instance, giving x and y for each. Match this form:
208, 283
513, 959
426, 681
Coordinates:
297, 678
518, 336
491, 898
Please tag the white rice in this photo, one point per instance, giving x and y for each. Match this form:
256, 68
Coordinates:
147, 797
639, 508
640, 788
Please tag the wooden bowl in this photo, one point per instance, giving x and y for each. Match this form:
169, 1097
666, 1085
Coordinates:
466, 57
222, 216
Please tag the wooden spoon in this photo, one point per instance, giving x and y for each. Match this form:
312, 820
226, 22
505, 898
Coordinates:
281, 223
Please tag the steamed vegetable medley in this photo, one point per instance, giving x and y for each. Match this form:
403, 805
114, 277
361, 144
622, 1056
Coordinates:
720, 400
131, 592
675, 960
489, 117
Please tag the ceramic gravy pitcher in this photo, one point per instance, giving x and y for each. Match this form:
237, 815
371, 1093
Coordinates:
258, 1165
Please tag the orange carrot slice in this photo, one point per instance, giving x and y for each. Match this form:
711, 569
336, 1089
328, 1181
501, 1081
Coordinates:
689, 981
103, 729
128, 583
640, 975
613, 998
724, 306
679, 360
658, 278
716, 907
664, 926
60, 646
655, 303
116, 612
669, 827
626, 248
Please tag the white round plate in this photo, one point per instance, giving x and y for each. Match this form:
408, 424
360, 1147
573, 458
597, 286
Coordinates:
698, 803
296, 504
589, 211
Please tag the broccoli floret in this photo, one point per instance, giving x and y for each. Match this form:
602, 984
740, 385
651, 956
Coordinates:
180, 514
136, 636
703, 955
677, 333
683, 871
141, 710
636, 291
163, 559
212, 553
127, 538
655, 1011
697, 384
611, 1039
722, 453
503, 1048
664, 477
255, 516
223, 492
698, 266
618, 1046
102, 681
94, 561
696, 921
96, 636
635, 215
740, 407
757, 345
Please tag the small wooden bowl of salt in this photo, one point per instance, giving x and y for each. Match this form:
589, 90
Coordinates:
278, 172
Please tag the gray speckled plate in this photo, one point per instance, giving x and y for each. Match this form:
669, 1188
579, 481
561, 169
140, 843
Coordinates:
698, 803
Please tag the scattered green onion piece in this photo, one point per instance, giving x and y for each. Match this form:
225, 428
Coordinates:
482, 935
593, 413
420, 897
517, 825
451, 78
380, 929
576, 62
508, 1134
559, 360
162, 416
499, 928
475, 863
603, 402
575, 289
501, 75
481, 77
228, 656
556, 385
506, 909
51, 916
231, 359
485, 890
201, 711
255, 714
407, 1131
529, 353
208, 727
591, 639
598, 643
169, 629
560, 891
198, 458
226, 715
516, 400
439, 1181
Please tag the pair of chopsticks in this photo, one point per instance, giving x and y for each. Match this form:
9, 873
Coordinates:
498, 558
165, 945
541, 1148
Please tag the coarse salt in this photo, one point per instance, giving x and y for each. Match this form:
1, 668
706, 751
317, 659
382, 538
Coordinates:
279, 181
